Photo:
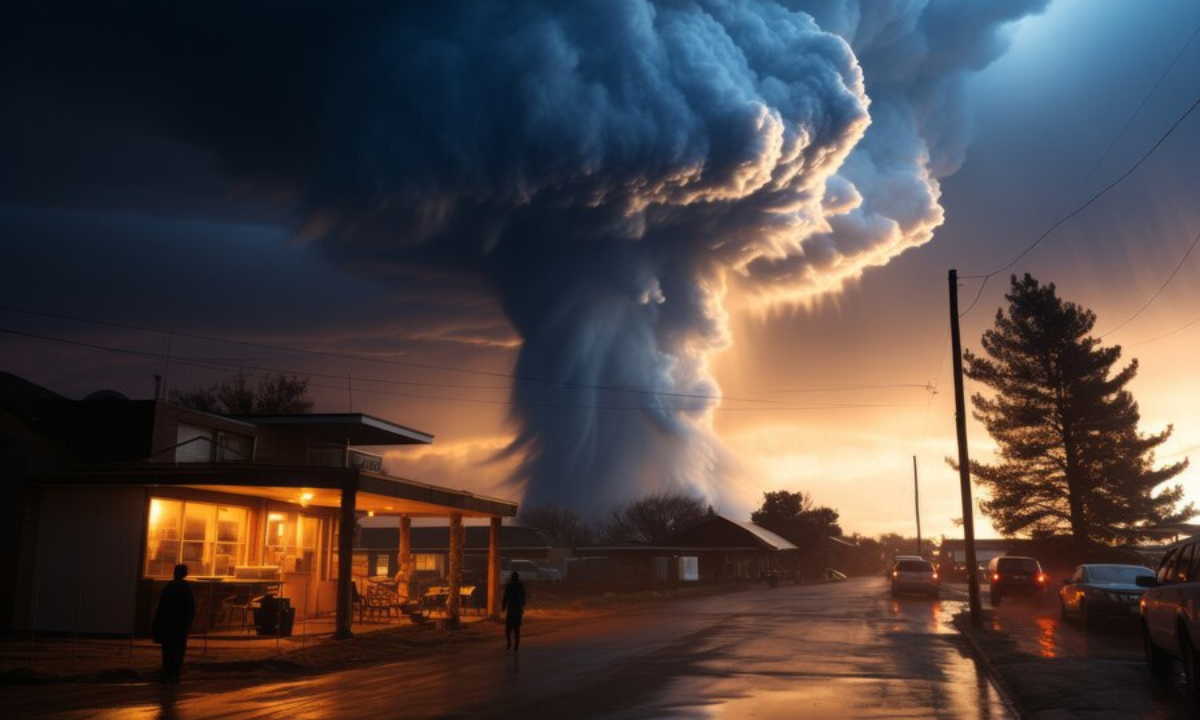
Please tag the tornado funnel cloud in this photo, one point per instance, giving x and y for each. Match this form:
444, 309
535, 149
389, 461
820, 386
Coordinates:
618, 174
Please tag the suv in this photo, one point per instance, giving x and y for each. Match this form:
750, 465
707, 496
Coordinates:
917, 576
1169, 608
1015, 575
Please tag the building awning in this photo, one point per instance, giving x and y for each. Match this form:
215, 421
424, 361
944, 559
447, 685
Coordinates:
342, 428
304, 485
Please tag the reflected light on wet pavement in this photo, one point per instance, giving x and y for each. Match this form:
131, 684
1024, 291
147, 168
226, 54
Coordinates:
1047, 628
908, 671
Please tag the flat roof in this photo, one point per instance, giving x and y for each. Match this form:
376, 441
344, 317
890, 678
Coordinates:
322, 487
349, 428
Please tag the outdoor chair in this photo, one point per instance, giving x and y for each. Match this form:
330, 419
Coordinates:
237, 607
380, 602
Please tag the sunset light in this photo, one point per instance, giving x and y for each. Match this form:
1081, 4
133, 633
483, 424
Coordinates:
720, 357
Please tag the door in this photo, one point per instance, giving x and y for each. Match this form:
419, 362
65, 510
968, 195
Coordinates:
1072, 592
1174, 597
1160, 632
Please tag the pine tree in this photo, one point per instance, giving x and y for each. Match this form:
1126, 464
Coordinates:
1071, 457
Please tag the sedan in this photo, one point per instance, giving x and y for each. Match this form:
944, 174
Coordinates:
1097, 591
916, 576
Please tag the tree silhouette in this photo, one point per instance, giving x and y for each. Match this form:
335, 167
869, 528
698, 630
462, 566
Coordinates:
562, 524
652, 518
1071, 458
241, 395
794, 517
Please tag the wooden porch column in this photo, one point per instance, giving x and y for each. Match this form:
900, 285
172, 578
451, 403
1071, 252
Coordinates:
345, 593
457, 536
405, 557
493, 580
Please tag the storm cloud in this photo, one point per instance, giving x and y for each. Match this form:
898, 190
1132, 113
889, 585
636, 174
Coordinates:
613, 171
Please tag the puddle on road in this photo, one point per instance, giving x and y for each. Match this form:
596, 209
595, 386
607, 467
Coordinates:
941, 681
968, 696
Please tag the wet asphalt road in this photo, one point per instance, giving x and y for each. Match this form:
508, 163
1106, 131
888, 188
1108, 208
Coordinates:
1056, 668
841, 651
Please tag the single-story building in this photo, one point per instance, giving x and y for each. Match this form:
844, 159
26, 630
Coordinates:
952, 555
109, 494
715, 549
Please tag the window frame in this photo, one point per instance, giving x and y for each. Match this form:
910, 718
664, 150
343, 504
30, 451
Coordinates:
208, 545
1167, 567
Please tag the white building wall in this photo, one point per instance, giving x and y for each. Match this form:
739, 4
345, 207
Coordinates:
88, 559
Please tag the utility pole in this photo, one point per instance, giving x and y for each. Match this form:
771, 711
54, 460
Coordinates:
917, 502
964, 462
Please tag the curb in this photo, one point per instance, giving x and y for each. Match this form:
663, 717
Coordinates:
994, 675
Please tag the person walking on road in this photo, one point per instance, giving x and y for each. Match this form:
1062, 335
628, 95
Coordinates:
173, 622
513, 606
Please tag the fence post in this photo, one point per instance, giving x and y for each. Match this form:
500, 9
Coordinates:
37, 587
208, 615
304, 629
133, 624
78, 611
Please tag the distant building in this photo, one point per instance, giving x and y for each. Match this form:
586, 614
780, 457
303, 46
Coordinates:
715, 549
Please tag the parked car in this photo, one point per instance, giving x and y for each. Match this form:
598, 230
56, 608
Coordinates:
1169, 608
1096, 591
887, 573
915, 576
533, 571
1015, 575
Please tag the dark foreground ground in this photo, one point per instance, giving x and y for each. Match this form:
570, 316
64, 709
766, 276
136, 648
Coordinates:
844, 650
1052, 668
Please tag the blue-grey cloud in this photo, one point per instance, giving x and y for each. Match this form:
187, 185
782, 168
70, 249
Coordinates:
610, 169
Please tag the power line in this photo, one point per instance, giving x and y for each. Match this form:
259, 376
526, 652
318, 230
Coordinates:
1057, 223
1180, 452
1168, 334
539, 384
226, 367
1162, 287
1064, 219
1129, 121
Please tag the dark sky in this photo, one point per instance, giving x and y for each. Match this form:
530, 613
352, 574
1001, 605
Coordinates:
598, 198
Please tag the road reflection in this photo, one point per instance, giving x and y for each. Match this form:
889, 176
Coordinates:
1047, 630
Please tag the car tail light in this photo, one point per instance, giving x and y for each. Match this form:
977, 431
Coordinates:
996, 577
895, 573
935, 574
1041, 578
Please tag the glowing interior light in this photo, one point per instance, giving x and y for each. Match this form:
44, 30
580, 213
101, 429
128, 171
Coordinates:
370, 513
155, 511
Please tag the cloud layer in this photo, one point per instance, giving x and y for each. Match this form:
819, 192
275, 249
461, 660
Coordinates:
610, 170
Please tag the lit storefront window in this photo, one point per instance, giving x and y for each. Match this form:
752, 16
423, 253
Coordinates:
291, 542
210, 539
427, 562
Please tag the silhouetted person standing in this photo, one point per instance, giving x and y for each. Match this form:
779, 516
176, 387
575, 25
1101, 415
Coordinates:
172, 622
513, 606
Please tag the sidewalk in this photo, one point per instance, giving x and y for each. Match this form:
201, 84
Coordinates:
1056, 688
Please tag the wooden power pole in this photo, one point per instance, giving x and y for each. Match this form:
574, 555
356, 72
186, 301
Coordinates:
917, 503
964, 462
